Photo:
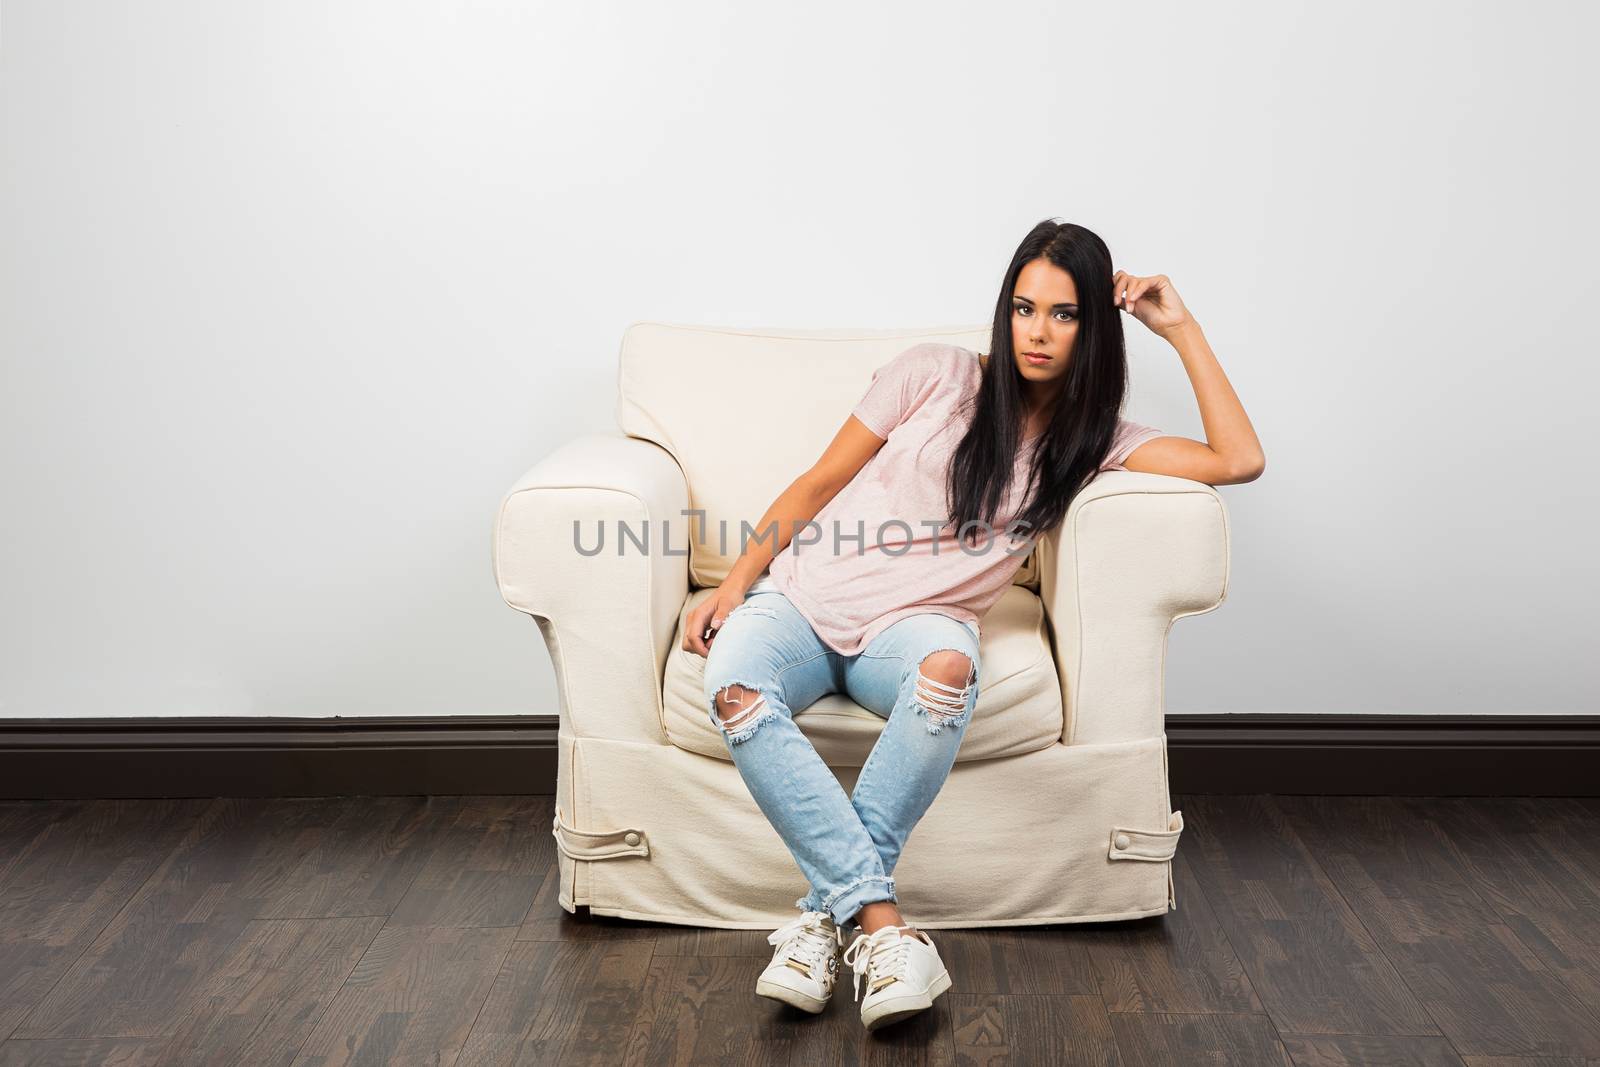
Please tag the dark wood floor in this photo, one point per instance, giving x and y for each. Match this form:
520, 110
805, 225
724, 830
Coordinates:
1310, 931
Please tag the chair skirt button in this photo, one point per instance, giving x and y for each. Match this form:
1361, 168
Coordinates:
633, 839
1121, 841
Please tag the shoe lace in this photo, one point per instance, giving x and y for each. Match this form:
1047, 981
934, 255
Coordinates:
881, 954
810, 938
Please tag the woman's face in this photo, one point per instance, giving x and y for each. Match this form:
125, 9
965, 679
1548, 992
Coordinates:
1044, 320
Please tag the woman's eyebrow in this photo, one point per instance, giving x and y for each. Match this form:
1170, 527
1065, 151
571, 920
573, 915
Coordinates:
1053, 307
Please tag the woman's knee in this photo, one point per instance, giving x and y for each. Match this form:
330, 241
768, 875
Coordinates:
735, 703
944, 687
739, 708
949, 667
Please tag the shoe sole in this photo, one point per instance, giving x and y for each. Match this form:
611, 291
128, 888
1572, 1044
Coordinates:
792, 997
892, 1011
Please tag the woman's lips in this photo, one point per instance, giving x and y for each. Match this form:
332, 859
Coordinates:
1036, 359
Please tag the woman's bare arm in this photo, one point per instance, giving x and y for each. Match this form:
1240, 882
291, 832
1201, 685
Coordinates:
1231, 452
797, 505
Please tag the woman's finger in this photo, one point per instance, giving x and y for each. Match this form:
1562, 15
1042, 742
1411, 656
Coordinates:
695, 638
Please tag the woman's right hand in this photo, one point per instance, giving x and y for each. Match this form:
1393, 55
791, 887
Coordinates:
710, 614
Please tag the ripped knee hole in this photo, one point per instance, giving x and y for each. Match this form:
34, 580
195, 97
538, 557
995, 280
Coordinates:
738, 706
944, 683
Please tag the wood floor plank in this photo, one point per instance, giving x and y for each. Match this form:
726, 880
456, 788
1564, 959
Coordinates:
978, 1029
412, 998
82, 1052
1012, 959
253, 932
260, 1006
695, 1010
1488, 991
561, 1002
147, 970
1357, 1050
486, 869
1178, 962
1573, 826
1152, 1039
72, 859
1060, 1029
1529, 1061
706, 941
64, 885
1314, 966
363, 860
21, 821
1524, 857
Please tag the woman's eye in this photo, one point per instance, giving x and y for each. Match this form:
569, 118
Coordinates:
1024, 310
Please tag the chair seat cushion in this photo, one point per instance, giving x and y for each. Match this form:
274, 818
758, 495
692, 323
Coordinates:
1019, 695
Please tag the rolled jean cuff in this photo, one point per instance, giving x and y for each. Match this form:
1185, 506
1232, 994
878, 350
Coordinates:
843, 904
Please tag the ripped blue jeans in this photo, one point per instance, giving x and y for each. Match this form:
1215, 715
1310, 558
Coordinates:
846, 846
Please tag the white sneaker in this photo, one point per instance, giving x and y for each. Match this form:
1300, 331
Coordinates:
806, 963
904, 974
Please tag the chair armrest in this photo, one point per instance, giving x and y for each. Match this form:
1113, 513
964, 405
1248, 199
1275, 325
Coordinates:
1134, 553
609, 618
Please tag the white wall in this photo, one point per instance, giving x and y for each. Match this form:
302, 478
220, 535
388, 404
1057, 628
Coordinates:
293, 292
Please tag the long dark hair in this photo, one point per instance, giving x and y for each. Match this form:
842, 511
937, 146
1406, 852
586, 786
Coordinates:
1068, 454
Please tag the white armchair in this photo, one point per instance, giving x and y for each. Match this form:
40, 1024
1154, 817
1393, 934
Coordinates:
1062, 775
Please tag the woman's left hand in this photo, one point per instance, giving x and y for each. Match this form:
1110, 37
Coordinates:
1152, 300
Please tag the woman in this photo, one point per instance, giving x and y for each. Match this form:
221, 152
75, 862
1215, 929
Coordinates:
944, 465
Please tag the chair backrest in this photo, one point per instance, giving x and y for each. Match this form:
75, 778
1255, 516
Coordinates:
745, 412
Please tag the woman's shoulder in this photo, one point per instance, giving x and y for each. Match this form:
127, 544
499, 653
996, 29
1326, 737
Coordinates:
932, 370
943, 358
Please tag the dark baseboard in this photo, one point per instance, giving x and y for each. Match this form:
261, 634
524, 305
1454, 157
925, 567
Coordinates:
1427, 755
277, 757
1386, 755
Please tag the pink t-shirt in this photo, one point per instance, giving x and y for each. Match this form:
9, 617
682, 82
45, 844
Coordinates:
881, 555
